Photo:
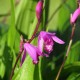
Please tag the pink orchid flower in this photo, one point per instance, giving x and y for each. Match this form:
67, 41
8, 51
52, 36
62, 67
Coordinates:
46, 41
33, 51
39, 8
74, 16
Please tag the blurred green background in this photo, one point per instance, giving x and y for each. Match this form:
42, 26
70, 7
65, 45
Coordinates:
18, 17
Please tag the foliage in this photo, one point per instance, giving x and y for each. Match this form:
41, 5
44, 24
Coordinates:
21, 19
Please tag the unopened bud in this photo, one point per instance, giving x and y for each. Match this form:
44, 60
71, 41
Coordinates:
39, 8
74, 16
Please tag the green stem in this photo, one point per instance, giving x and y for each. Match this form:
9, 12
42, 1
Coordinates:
67, 52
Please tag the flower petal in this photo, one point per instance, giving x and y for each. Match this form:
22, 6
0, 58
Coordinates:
31, 51
51, 34
43, 33
40, 43
23, 57
56, 39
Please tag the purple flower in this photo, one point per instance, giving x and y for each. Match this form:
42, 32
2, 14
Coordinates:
75, 15
39, 7
33, 51
46, 41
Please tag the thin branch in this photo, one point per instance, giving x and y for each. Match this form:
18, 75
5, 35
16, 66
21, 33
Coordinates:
60, 69
29, 41
33, 36
67, 52
12, 72
35, 31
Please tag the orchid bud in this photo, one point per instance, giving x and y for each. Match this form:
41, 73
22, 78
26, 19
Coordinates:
39, 8
74, 16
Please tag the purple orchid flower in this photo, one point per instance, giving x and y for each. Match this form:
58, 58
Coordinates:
74, 16
46, 41
39, 8
33, 51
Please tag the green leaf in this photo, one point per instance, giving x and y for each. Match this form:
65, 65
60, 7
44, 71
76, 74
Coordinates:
69, 69
26, 72
64, 15
4, 9
74, 76
2, 69
2, 65
59, 15
52, 21
25, 18
12, 30
74, 53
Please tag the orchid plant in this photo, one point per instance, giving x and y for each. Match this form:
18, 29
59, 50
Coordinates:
46, 40
39, 40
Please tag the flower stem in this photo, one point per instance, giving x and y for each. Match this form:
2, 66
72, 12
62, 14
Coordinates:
33, 36
12, 72
35, 31
29, 41
67, 52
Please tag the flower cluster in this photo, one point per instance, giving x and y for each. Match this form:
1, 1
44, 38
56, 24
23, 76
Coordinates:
46, 41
